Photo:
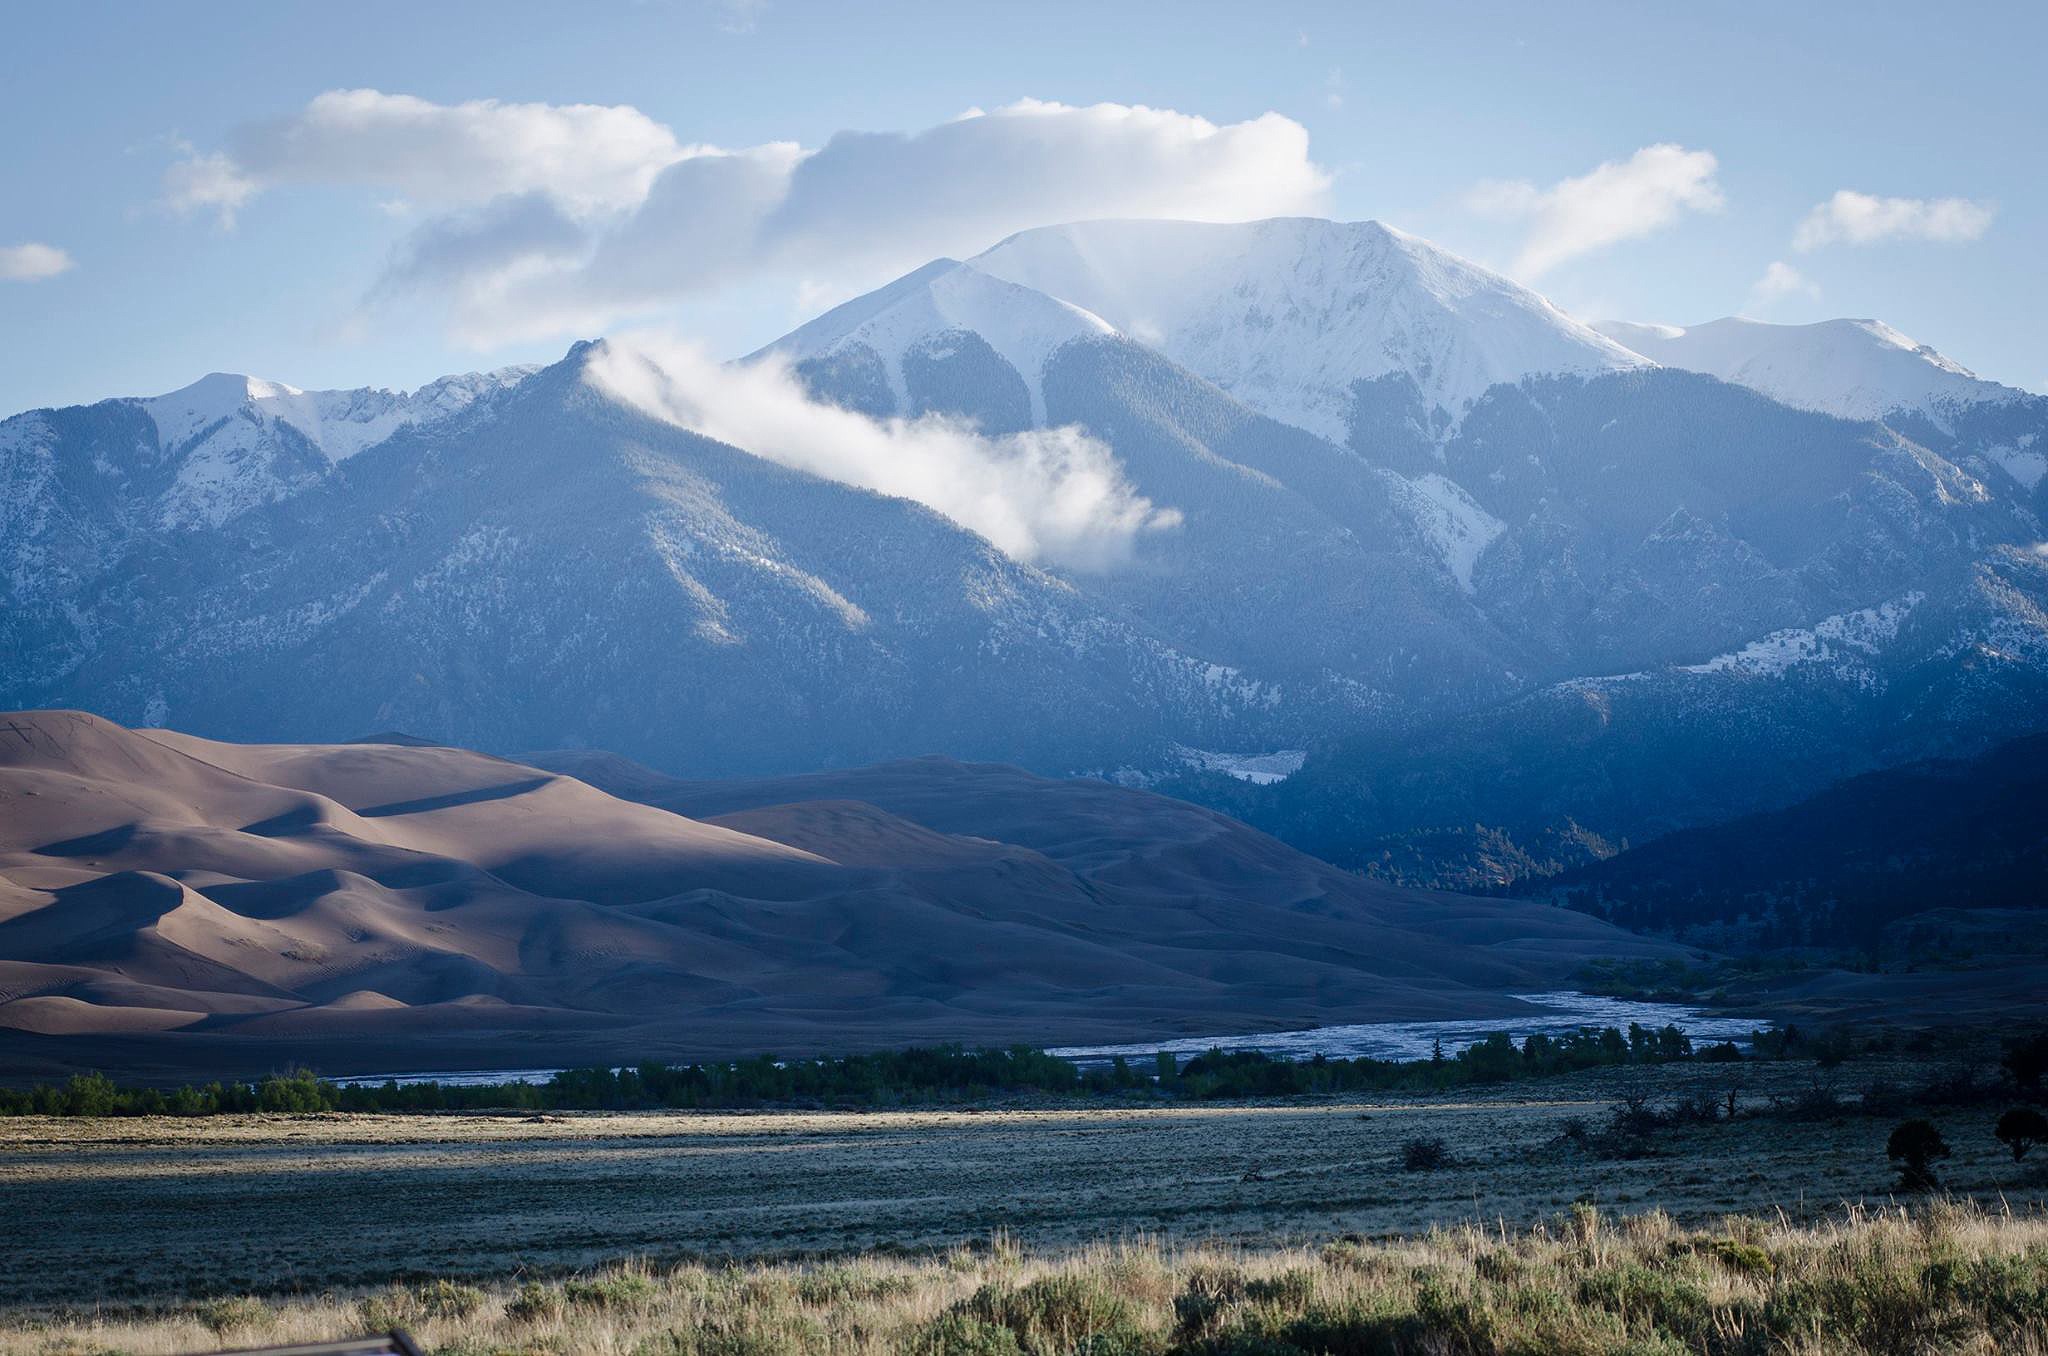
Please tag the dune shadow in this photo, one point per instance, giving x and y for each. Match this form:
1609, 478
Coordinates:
295, 821
91, 844
269, 899
503, 791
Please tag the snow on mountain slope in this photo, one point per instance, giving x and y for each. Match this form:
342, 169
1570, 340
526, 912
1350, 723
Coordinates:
1847, 641
1854, 369
339, 423
1452, 522
224, 432
920, 310
1286, 314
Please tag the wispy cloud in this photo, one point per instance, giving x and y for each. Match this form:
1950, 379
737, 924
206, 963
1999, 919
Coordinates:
1053, 495
542, 219
33, 262
1779, 281
1854, 218
1618, 200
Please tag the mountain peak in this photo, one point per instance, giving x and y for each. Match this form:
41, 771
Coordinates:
920, 311
1852, 368
1287, 313
338, 423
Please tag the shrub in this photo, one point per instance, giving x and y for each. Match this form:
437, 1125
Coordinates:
1059, 1313
1346, 1254
619, 1290
2027, 1060
960, 1334
1633, 1117
222, 1316
1736, 1255
1424, 1155
535, 1303
1289, 1289
1817, 1101
1915, 1146
840, 1284
403, 1307
2020, 1129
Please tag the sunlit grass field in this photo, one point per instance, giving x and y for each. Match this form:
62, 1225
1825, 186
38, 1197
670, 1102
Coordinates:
1943, 1277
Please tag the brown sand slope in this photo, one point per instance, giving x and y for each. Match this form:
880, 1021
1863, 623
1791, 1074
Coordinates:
168, 902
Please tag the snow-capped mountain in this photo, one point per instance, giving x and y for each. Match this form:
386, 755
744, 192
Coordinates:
1861, 369
548, 566
1485, 565
1855, 369
1288, 314
207, 452
338, 423
921, 321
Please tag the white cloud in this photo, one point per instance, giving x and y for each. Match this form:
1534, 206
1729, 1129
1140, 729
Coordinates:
550, 218
207, 183
32, 262
1619, 200
588, 157
1862, 219
1054, 495
1779, 281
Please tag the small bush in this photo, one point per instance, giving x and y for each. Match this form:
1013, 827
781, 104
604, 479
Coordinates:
535, 1303
1057, 1313
1633, 1117
1736, 1255
222, 1316
960, 1334
1290, 1289
619, 1290
405, 1306
1424, 1155
1347, 1254
840, 1285
1500, 1267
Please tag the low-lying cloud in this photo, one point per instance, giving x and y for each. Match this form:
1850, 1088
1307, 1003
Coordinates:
1616, 201
1853, 218
545, 218
1053, 496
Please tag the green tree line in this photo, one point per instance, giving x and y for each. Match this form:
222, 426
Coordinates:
927, 1075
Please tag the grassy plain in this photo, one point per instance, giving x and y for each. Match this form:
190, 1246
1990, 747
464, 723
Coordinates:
159, 1235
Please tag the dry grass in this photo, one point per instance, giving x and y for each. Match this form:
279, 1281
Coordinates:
130, 1211
1135, 1230
1951, 1277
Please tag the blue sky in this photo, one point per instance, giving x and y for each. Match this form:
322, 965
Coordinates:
174, 198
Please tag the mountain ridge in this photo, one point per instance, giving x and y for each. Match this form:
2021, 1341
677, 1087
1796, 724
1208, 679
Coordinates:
1673, 557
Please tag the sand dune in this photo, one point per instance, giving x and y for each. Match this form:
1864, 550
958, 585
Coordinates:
168, 902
